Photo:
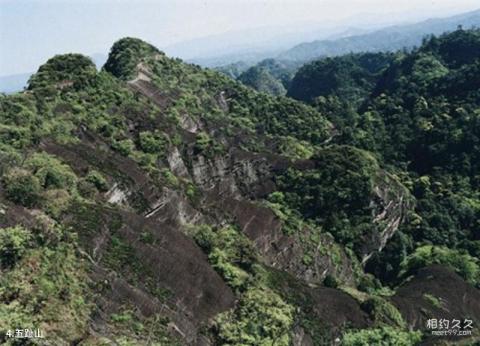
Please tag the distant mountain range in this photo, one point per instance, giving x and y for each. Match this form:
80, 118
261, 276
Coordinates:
14, 82
387, 39
331, 41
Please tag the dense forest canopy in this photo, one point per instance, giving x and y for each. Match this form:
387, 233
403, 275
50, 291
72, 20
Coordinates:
420, 118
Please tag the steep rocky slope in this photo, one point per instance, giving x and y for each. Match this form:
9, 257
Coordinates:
190, 210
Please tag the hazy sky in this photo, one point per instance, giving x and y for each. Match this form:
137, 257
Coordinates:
32, 31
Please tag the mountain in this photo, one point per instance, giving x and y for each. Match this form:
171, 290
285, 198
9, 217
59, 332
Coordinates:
269, 75
350, 77
255, 44
259, 76
419, 117
17, 82
154, 202
13, 83
387, 39
261, 80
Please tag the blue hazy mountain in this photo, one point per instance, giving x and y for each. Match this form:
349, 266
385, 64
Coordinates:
387, 39
14, 82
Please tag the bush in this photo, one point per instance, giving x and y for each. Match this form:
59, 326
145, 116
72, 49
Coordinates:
124, 147
383, 312
13, 244
22, 187
98, 180
203, 142
47, 287
330, 281
51, 172
261, 318
386, 336
462, 263
86, 189
152, 143
56, 201
229, 252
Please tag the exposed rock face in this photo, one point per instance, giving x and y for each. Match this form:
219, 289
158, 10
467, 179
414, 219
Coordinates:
175, 161
391, 202
174, 208
169, 192
327, 307
170, 261
286, 252
300, 338
142, 83
236, 174
116, 195
455, 299
189, 124
229, 187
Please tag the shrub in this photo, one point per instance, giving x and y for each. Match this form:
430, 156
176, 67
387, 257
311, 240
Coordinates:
13, 244
85, 188
124, 147
51, 172
229, 252
462, 263
22, 187
436, 302
383, 312
203, 142
152, 142
386, 336
98, 180
330, 281
56, 201
261, 318
170, 178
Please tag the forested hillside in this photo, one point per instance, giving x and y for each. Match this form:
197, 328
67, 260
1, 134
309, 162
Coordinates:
421, 120
158, 203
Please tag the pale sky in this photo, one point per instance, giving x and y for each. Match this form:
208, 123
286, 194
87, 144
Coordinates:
31, 31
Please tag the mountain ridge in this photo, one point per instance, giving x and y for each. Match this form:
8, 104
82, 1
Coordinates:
387, 39
155, 195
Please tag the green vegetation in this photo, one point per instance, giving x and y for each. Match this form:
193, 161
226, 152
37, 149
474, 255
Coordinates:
63, 71
125, 55
229, 252
98, 180
22, 187
335, 194
261, 80
433, 300
385, 153
131, 330
154, 143
51, 172
261, 318
386, 336
417, 114
13, 245
43, 283
462, 263
383, 312
350, 77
